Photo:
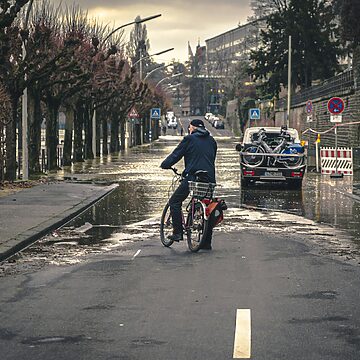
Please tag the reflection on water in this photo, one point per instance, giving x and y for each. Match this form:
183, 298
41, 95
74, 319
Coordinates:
143, 190
321, 199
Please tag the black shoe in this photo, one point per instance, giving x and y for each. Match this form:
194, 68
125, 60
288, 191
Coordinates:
206, 247
176, 237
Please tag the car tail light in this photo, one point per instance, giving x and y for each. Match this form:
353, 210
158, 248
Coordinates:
296, 174
249, 172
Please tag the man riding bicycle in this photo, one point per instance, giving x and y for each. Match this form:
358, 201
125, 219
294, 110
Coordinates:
199, 152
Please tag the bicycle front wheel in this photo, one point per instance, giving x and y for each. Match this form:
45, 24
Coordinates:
253, 159
292, 162
197, 226
166, 227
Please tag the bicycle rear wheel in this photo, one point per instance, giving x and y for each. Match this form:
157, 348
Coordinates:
166, 227
253, 160
197, 227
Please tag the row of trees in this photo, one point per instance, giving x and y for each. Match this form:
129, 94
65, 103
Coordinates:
67, 62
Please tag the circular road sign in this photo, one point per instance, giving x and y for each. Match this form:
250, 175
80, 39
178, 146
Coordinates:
336, 105
309, 107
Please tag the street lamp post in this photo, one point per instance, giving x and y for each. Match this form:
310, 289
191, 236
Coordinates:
158, 68
24, 115
138, 21
131, 23
168, 77
148, 56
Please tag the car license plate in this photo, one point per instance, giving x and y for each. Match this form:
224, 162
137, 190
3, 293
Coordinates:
273, 174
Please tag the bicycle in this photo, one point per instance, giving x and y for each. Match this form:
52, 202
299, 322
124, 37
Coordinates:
254, 157
196, 224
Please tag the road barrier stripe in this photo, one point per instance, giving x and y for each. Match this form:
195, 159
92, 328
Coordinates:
343, 163
242, 341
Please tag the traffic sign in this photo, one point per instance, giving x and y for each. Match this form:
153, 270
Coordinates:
155, 113
133, 113
309, 107
335, 118
309, 118
255, 114
336, 105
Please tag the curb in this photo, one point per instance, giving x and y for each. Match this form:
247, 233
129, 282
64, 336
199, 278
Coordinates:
30, 236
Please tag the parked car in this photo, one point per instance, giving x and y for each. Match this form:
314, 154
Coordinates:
212, 118
169, 115
207, 116
218, 124
272, 154
172, 123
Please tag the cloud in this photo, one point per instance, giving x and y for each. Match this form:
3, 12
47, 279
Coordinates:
181, 20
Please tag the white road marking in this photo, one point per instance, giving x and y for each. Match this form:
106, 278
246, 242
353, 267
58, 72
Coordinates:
136, 254
242, 341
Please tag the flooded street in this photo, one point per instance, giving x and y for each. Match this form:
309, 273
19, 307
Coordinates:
326, 210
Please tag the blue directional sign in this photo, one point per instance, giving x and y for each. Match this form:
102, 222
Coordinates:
155, 113
254, 114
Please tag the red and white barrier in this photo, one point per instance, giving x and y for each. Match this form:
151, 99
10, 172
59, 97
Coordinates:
344, 160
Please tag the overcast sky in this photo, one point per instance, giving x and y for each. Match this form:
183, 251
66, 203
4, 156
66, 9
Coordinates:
181, 20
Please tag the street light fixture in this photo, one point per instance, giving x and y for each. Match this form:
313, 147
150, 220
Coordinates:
168, 77
172, 87
148, 56
158, 68
131, 23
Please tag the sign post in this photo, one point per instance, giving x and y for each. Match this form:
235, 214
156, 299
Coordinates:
336, 106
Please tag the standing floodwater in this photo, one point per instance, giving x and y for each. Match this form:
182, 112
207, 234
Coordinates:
132, 211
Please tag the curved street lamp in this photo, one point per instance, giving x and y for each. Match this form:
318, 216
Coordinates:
158, 68
131, 23
148, 56
168, 77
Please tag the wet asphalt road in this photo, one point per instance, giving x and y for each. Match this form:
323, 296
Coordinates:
103, 287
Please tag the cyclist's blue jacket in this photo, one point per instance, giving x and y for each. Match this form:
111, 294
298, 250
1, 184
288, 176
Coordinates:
199, 152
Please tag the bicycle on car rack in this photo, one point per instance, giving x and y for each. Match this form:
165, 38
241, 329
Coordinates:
203, 212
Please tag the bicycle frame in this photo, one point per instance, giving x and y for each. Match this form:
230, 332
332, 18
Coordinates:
176, 179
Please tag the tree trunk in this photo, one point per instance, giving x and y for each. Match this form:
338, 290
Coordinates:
10, 174
104, 124
69, 126
35, 120
52, 136
78, 127
98, 135
88, 133
114, 140
122, 133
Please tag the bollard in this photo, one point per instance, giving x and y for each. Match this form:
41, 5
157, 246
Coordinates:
317, 152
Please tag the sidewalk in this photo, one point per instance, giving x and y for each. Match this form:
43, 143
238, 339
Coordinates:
28, 214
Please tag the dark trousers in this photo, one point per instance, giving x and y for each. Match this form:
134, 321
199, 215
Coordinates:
175, 202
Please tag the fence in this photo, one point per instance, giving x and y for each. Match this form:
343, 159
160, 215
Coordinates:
341, 84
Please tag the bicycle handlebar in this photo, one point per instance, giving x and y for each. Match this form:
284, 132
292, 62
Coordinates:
175, 171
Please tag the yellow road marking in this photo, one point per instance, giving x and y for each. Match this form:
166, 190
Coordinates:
242, 341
